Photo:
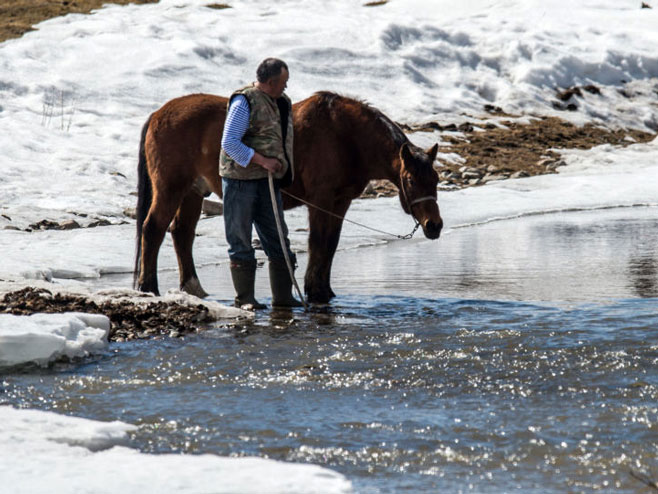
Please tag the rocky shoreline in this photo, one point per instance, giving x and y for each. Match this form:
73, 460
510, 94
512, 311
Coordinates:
477, 152
138, 316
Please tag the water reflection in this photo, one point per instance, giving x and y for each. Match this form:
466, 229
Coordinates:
643, 270
575, 256
571, 256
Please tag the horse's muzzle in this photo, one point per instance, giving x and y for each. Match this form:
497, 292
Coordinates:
432, 229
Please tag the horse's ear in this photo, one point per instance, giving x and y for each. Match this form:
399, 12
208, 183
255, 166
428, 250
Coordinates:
405, 154
431, 152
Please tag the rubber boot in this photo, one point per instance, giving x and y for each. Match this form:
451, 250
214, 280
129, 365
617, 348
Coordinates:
281, 285
243, 274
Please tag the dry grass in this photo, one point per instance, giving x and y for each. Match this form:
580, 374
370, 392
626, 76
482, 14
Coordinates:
517, 150
18, 16
525, 147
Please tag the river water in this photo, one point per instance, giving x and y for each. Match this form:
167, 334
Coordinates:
512, 356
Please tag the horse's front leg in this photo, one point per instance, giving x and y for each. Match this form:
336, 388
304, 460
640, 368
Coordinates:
182, 232
322, 243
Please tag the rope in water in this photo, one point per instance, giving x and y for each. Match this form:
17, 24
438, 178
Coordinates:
284, 247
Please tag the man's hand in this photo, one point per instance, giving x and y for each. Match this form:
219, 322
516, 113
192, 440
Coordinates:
272, 165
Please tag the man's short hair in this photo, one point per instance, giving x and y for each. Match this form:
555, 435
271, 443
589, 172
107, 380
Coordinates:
268, 68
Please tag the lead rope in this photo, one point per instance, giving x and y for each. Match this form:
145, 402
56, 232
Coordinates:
284, 247
331, 213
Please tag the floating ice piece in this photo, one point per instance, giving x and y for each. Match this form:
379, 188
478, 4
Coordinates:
42, 338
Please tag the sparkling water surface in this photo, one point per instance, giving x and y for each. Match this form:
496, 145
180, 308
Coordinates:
514, 356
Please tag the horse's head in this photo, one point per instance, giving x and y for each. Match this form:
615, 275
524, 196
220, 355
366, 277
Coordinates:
418, 182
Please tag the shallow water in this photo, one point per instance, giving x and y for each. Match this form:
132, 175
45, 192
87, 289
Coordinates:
514, 356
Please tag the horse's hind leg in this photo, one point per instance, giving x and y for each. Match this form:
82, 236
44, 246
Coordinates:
182, 231
153, 232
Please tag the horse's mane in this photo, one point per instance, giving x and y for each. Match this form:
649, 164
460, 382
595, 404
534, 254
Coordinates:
328, 99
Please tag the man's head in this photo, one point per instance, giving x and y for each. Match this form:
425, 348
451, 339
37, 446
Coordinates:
272, 76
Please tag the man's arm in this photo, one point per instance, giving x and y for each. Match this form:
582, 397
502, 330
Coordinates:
237, 123
236, 126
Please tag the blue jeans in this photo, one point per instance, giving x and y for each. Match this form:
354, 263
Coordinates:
247, 203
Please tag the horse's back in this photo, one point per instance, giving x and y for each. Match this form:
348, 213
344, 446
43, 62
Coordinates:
186, 110
189, 117
184, 139
324, 148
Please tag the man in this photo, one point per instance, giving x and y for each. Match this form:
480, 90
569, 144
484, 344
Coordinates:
257, 140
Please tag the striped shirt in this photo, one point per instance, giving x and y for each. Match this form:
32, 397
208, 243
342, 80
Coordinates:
237, 123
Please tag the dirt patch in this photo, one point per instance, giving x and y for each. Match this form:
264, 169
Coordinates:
18, 16
129, 320
514, 150
525, 149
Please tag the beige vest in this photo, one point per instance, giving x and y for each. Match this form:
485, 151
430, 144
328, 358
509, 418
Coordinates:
264, 135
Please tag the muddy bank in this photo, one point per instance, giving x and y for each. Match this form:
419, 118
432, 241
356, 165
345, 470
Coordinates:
514, 149
130, 319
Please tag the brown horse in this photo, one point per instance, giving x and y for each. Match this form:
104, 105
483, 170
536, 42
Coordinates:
340, 145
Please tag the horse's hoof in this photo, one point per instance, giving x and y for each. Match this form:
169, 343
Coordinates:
319, 296
193, 287
145, 288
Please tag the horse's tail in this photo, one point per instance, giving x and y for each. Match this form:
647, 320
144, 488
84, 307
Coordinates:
144, 198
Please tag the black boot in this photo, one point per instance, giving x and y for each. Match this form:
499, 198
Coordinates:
243, 274
281, 285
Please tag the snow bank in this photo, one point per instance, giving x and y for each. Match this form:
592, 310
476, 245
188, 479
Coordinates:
43, 452
44, 338
216, 310
41, 338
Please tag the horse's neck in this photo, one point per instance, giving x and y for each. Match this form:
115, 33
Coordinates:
383, 140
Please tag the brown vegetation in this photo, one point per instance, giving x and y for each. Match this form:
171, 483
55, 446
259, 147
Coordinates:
18, 16
128, 320
512, 150
525, 149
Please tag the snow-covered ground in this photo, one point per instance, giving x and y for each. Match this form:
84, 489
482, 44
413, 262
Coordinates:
43, 452
75, 93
